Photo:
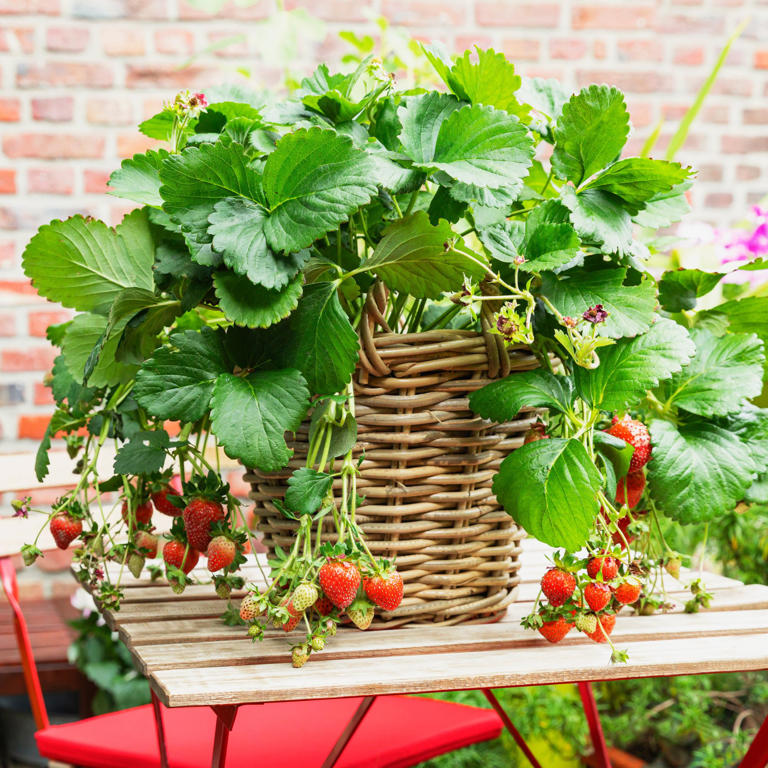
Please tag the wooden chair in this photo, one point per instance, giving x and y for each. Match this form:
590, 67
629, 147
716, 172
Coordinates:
396, 730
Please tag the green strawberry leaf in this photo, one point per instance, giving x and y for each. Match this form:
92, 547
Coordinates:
697, 471
307, 489
679, 288
590, 132
665, 208
177, 382
343, 437
723, 372
251, 415
550, 488
599, 217
143, 454
631, 308
502, 400
637, 180
313, 181
237, 228
751, 426
160, 126
318, 340
503, 240
253, 305
138, 178
740, 316
631, 366
424, 260
421, 118
83, 264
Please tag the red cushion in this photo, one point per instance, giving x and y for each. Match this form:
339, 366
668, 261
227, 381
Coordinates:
397, 731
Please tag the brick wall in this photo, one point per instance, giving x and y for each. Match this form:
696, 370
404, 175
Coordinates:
77, 75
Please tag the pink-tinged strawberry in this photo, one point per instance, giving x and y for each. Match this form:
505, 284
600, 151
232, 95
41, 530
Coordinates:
361, 613
628, 592
603, 564
385, 590
636, 434
221, 553
177, 554
597, 595
608, 622
143, 512
199, 515
65, 529
557, 585
300, 655
554, 631
249, 607
340, 580
630, 489
147, 543
162, 504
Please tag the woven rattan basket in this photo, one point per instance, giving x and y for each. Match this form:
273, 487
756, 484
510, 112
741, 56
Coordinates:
427, 471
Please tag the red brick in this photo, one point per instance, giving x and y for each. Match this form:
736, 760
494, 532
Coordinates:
7, 253
496, 13
7, 181
521, 49
567, 48
744, 145
162, 76
612, 16
64, 74
334, 10
640, 50
121, 41
689, 55
53, 146
259, 9
599, 49
95, 182
55, 180
177, 42
228, 44
39, 321
709, 172
419, 13
7, 324
130, 144
42, 394
632, 82
17, 39
71, 39
463, 43
54, 109
757, 116
719, 200
10, 110
747, 172
47, 7
690, 24
110, 111
716, 113
642, 113
761, 59
22, 287
31, 359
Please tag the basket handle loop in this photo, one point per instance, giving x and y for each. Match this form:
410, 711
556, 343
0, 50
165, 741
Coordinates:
498, 356
373, 315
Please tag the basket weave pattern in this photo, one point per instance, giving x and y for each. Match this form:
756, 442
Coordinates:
426, 475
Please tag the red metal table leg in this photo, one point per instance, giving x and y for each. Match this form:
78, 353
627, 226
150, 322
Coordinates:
225, 719
348, 732
595, 729
160, 730
510, 726
757, 754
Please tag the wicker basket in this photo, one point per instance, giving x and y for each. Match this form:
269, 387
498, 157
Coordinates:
427, 472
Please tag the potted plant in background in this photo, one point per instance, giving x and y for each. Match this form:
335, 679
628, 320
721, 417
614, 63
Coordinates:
347, 266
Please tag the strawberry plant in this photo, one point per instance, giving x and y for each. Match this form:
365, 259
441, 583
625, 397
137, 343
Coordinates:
228, 302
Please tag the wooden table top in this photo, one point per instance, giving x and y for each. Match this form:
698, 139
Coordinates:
192, 658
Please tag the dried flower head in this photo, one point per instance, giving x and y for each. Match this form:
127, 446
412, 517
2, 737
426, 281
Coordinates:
570, 322
510, 325
596, 314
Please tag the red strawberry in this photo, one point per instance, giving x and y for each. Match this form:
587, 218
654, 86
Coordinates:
597, 595
558, 585
623, 538
160, 500
65, 529
199, 514
386, 590
221, 553
635, 485
636, 434
555, 630
628, 592
295, 616
340, 581
143, 512
147, 541
323, 605
605, 564
173, 554
608, 622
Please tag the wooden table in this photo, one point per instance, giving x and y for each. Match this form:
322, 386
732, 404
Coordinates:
220, 667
